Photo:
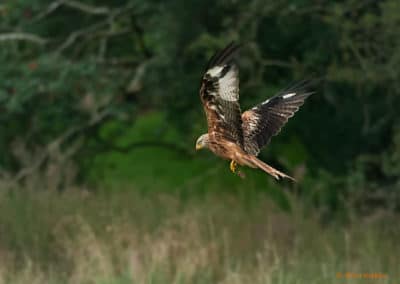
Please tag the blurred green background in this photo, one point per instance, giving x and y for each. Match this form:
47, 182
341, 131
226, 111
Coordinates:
99, 114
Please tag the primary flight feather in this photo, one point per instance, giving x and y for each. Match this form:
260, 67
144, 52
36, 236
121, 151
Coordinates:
238, 136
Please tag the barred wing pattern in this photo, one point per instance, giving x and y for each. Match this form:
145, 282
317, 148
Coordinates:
266, 119
219, 94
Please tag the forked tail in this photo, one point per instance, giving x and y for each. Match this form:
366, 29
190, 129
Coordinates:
268, 169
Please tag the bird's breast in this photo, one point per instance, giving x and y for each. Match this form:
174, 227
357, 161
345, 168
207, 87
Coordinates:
226, 149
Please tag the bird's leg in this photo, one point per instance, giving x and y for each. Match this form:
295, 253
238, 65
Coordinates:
233, 166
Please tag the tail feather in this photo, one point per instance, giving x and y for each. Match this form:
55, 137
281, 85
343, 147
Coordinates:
268, 169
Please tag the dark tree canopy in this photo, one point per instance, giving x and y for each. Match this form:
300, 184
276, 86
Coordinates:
68, 68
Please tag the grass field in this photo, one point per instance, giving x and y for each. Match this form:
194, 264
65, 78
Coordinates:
194, 223
79, 236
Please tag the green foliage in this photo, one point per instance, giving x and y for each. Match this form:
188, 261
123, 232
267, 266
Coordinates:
79, 79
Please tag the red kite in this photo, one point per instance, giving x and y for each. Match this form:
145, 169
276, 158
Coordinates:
238, 136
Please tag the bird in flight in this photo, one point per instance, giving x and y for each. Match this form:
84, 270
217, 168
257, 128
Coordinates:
238, 136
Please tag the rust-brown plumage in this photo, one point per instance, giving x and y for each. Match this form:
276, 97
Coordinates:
235, 136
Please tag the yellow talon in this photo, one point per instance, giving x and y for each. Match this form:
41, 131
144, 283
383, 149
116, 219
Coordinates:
234, 169
233, 166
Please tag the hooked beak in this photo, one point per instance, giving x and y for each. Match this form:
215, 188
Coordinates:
198, 147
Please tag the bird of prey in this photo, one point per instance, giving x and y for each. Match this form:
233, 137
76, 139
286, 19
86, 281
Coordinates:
238, 136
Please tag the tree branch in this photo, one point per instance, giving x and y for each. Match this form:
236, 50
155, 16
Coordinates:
23, 37
56, 144
85, 8
111, 15
77, 34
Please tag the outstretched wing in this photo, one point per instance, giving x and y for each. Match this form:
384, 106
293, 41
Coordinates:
266, 119
219, 94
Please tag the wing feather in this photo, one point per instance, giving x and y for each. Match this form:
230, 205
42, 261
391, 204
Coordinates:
267, 119
219, 94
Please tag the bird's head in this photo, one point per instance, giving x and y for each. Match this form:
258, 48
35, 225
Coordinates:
202, 142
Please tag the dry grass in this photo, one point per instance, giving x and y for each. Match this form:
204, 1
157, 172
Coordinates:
126, 237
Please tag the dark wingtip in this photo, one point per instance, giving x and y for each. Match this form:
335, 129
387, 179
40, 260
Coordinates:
305, 87
224, 56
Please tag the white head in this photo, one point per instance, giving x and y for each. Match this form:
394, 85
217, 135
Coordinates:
202, 142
